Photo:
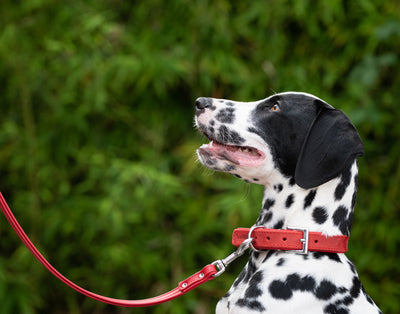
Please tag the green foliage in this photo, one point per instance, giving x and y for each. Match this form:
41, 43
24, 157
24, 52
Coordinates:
97, 144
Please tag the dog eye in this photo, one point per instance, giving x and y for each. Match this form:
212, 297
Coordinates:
275, 107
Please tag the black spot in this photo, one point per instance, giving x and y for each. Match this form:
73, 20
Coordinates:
279, 290
254, 305
255, 179
333, 309
325, 290
268, 203
307, 283
341, 220
229, 168
320, 215
278, 187
343, 184
229, 136
266, 218
342, 290
229, 103
284, 289
280, 262
356, 288
253, 291
332, 256
278, 225
255, 254
237, 176
293, 282
348, 300
226, 115
339, 215
292, 181
309, 198
211, 162
212, 122
289, 201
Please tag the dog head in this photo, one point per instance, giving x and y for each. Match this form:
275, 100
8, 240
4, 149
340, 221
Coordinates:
295, 135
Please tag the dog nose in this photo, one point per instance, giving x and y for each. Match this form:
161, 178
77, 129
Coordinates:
202, 103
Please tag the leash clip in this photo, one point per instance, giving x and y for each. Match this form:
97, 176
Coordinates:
221, 264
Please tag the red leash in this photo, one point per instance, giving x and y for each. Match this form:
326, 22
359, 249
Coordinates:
297, 239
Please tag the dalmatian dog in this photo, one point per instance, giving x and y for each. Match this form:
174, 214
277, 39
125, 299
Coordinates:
304, 152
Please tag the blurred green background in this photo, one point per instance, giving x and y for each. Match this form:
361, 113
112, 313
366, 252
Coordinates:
97, 145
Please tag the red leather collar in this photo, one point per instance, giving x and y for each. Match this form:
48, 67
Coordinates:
298, 239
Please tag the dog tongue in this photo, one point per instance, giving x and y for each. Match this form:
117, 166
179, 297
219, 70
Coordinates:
238, 155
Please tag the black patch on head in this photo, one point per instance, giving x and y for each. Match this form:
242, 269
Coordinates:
278, 225
309, 198
226, 135
325, 290
332, 256
284, 131
251, 304
226, 115
343, 184
320, 215
253, 291
268, 203
289, 201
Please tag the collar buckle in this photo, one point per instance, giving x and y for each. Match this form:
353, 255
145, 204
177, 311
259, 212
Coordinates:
303, 240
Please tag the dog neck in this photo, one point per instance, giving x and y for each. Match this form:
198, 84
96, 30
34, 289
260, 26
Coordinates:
327, 208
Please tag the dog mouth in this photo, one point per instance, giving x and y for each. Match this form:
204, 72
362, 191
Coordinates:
239, 155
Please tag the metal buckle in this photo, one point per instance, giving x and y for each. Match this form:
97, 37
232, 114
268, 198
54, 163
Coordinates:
303, 240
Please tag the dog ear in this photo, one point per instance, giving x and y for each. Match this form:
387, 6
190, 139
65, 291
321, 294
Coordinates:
331, 145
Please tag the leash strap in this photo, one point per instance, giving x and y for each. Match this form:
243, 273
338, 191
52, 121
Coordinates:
207, 273
297, 239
